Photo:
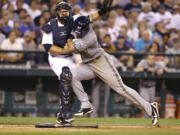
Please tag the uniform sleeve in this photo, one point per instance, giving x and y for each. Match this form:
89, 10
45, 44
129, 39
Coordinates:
79, 45
159, 65
47, 38
142, 64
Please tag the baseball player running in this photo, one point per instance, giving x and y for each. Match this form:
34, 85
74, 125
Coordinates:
97, 63
56, 33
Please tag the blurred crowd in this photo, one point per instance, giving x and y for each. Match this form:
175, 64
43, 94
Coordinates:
131, 26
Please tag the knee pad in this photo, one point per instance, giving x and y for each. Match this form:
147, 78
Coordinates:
65, 89
66, 75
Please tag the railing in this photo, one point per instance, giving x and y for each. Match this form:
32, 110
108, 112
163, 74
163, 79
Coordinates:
113, 53
137, 57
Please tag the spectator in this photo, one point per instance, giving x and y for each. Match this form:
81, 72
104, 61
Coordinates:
30, 45
178, 35
174, 50
107, 44
2, 36
86, 9
12, 15
132, 32
154, 48
112, 30
123, 3
33, 11
38, 30
147, 15
123, 32
11, 43
44, 7
159, 30
143, 27
120, 19
7, 23
103, 30
4, 4
77, 10
93, 5
143, 44
33, 35
27, 25
169, 5
165, 42
22, 13
46, 15
132, 4
175, 19
121, 46
20, 4
155, 5
147, 87
96, 29
134, 13
162, 15
17, 28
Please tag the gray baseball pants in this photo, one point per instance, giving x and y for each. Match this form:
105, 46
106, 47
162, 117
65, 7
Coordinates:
106, 71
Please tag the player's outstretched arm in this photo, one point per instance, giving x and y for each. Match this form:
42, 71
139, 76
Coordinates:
106, 7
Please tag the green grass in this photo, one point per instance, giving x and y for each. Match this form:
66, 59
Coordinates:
87, 121
90, 121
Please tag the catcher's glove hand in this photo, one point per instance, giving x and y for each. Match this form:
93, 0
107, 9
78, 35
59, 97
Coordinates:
106, 7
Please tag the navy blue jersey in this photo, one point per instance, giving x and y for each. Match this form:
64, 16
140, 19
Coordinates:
60, 34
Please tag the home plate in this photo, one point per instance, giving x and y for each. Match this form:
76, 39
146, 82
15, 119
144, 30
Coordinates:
52, 125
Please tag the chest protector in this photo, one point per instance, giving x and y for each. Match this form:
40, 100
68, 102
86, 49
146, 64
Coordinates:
60, 34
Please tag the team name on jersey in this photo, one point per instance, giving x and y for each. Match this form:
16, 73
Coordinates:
63, 33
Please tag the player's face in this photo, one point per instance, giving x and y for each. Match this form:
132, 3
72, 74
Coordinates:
63, 12
151, 60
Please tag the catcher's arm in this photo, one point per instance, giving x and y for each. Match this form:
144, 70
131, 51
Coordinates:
55, 50
106, 7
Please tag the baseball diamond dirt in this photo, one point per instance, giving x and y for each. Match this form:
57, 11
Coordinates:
31, 128
106, 126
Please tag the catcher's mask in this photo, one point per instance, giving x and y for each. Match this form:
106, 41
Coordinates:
81, 25
63, 12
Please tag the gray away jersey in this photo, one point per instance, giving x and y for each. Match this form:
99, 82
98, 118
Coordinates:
144, 64
88, 46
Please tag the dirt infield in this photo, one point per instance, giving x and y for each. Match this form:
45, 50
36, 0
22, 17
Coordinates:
31, 128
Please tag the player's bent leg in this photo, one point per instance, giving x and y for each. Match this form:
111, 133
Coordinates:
65, 116
82, 73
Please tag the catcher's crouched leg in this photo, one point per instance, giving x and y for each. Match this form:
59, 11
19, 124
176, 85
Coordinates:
65, 116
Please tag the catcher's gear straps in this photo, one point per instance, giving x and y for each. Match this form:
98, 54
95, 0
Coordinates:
65, 89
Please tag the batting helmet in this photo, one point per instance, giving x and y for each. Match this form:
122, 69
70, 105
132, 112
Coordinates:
66, 6
81, 25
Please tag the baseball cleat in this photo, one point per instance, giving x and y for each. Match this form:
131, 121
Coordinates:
155, 113
69, 118
83, 111
64, 123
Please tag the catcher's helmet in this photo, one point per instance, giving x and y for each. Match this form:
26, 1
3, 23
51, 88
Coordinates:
81, 25
66, 6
